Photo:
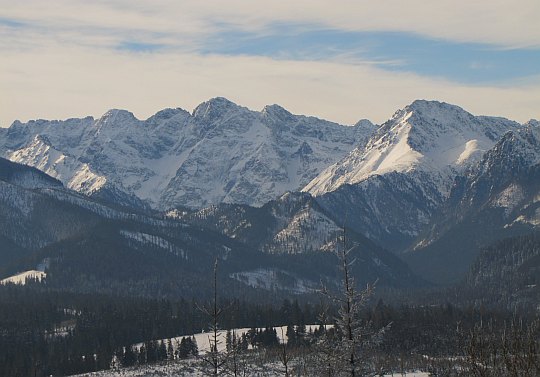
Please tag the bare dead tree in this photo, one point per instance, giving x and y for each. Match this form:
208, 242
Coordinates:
511, 350
284, 355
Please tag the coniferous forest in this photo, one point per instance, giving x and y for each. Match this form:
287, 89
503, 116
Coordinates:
46, 332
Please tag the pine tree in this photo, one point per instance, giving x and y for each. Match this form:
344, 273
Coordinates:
184, 349
162, 351
130, 357
343, 348
291, 336
194, 347
213, 358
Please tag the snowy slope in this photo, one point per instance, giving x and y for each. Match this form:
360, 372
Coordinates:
20, 279
390, 189
42, 155
221, 153
498, 197
426, 136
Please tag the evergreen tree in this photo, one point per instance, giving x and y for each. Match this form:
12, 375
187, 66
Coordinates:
185, 348
291, 336
162, 351
194, 347
345, 346
130, 357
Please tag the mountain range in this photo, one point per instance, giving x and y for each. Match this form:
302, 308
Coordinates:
221, 152
270, 192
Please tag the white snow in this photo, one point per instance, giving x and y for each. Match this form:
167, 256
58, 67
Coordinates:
272, 279
205, 338
509, 198
74, 174
20, 278
221, 153
471, 151
436, 138
153, 240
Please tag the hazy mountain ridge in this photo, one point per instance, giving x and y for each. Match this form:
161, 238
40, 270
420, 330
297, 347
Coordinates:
92, 246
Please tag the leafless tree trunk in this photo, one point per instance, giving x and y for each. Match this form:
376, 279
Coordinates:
213, 358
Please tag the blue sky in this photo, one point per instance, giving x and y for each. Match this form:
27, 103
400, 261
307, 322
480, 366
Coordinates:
343, 61
463, 62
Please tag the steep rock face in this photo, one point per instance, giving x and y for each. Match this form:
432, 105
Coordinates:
221, 153
393, 185
498, 197
390, 209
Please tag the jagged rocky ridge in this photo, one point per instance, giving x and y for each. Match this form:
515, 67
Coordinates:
391, 187
221, 153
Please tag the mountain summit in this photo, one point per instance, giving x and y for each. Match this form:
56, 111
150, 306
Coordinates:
393, 185
426, 136
221, 153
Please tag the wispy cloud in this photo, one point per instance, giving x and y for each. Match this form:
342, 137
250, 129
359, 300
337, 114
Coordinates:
77, 82
341, 60
497, 22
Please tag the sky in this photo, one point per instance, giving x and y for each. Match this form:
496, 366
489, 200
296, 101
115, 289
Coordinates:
341, 60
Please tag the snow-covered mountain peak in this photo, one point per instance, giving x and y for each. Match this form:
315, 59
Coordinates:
221, 153
277, 112
434, 109
532, 123
365, 123
115, 118
167, 114
522, 145
215, 108
426, 136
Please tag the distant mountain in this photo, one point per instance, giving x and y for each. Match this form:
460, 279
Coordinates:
220, 153
295, 228
498, 197
26, 177
433, 185
86, 245
390, 188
